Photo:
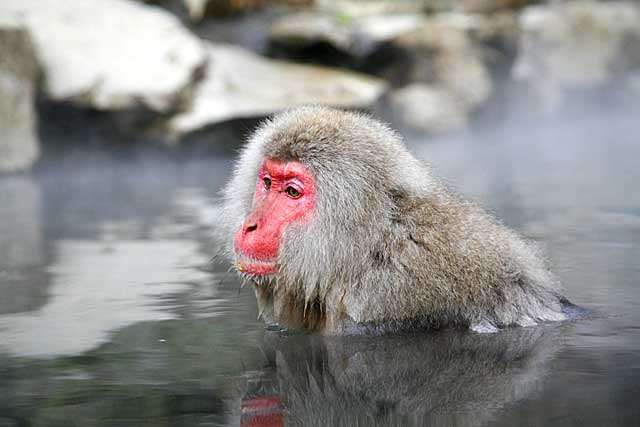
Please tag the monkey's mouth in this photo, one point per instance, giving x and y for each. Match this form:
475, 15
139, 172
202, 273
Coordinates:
256, 267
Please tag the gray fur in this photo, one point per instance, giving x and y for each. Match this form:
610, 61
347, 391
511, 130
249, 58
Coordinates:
388, 244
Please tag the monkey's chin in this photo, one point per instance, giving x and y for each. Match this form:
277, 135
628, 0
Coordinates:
255, 267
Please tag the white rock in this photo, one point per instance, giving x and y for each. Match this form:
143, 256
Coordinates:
356, 36
110, 54
196, 8
382, 28
445, 56
577, 44
428, 108
486, 6
307, 28
19, 146
241, 84
359, 8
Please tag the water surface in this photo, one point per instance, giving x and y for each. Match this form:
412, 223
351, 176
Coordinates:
112, 313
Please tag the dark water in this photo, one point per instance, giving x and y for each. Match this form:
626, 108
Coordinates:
111, 312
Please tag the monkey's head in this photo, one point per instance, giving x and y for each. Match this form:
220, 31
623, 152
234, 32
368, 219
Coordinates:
312, 196
284, 195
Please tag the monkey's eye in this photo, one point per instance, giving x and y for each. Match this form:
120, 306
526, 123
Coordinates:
292, 192
267, 182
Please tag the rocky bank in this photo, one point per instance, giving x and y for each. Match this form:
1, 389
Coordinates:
428, 66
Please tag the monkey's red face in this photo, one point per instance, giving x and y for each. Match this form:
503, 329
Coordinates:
285, 193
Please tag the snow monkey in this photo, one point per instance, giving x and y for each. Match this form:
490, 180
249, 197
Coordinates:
342, 230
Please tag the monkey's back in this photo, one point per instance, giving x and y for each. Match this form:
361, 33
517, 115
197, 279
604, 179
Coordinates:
453, 264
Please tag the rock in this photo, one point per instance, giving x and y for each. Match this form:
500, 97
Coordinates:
307, 28
384, 7
424, 108
455, 60
441, 53
577, 45
498, 31
19, 146
359, 8
198, 9
486, 6
110, 54
241, 84
353, 36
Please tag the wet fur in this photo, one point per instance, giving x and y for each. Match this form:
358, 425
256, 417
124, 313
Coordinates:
388, 244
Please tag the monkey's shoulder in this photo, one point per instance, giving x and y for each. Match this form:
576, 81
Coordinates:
439, 218
446, 239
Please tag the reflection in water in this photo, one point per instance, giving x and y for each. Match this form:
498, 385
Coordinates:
22, 234
98, 287
21, 245
449, 378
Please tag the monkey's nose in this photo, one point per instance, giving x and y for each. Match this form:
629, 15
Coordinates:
249, 227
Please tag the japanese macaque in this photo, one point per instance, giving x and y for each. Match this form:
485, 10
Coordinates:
342, 231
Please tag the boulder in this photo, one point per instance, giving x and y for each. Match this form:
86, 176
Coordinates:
577, 45
110, 54
425, 108
353, 36
305, 29
19, 146
241, 84
385, 7
496, 34
442, 52
359, 8
442, 62
198, 9
486, 6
